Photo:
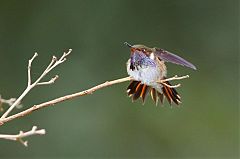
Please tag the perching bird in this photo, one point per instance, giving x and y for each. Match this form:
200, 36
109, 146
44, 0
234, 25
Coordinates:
146, 67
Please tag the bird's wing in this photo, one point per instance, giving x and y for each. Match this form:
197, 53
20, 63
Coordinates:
170, 57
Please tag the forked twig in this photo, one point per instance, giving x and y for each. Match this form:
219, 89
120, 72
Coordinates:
29, 67
172, 79
171, 86
51, 81
54, 62
19, 137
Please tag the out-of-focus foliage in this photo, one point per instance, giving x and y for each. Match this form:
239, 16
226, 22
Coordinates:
107, 124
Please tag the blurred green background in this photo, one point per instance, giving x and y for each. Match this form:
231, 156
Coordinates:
107, 124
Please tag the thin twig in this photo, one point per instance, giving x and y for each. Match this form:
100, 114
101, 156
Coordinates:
51, 81
172, 86
54, 62
19, 137
64, 98
172, 79
29, 68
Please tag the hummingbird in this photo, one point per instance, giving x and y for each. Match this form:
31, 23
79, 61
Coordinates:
146, 66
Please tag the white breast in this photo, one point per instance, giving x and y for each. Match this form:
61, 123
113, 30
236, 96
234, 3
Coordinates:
147, 75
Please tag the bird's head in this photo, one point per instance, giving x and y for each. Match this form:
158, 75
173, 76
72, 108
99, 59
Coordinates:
139, 48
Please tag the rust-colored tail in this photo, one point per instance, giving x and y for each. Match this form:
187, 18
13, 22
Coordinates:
136, 90
171, 94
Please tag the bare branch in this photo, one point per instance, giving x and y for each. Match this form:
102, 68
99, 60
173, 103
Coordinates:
51, 81
173, 86
65, 54
29, 67
78, 94
64, 98
57, 62
19, 137
172, 79
54, 62
54, 59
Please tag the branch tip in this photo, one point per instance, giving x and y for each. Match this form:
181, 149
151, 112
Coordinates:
51, 81
33, 57
25, 143
69, 51
54, 58
172, 79
34, 128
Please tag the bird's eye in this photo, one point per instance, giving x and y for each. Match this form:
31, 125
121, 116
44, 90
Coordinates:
144, 50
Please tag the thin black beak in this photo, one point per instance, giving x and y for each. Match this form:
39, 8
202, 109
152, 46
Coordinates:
126, 43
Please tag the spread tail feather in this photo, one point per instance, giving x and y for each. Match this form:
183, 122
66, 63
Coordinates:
136, 90
171, 94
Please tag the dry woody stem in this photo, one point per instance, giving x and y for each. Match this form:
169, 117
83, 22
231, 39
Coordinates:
30, 85
64, 98
172, 79
74, 95
19, 137
54, 62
